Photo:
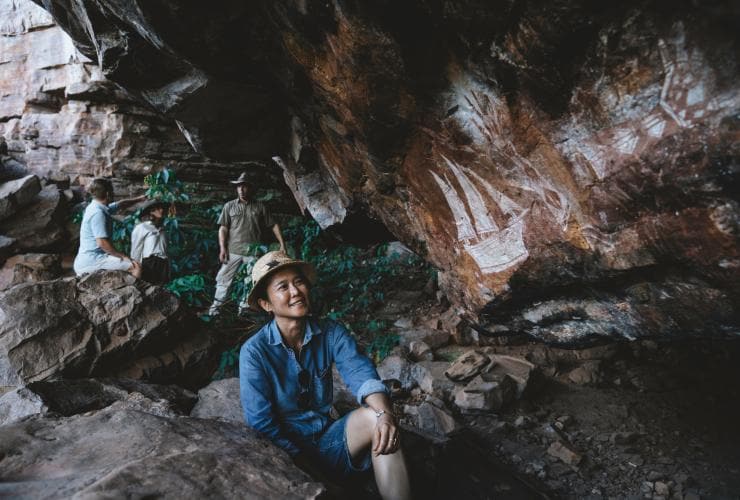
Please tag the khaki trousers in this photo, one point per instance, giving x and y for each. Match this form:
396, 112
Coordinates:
225, 277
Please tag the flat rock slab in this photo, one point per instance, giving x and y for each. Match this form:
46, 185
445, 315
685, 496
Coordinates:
117, 453
220, 399
468, 366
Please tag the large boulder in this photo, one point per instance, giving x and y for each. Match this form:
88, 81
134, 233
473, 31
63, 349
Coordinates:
17, 193
96, 325
119, 452
26, 268
40, 225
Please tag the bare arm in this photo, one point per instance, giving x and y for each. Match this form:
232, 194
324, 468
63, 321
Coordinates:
105, 245
279, 236
385, 437
223, 237
130, 201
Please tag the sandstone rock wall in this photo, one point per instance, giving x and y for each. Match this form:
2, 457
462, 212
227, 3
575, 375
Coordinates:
62, 119
532, 151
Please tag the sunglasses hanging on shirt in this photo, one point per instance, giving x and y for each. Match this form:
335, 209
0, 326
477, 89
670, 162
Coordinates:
304, 397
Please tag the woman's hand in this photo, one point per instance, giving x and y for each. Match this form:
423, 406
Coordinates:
386, 435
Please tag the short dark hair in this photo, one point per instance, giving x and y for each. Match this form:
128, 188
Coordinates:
100, 188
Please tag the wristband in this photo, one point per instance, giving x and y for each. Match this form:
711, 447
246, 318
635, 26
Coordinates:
380, 413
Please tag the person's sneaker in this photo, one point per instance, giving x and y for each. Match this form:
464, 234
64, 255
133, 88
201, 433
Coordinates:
243, 312
213, 312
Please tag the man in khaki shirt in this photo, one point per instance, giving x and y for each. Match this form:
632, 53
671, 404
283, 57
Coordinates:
243, 224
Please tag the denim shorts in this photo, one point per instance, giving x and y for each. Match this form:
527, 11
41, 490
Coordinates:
332, 452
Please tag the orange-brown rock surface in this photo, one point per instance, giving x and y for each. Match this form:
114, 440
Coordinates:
570, 168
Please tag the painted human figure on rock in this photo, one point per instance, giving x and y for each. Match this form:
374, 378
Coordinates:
285, 373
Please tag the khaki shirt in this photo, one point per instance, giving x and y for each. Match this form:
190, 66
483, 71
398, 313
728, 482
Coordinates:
247, 224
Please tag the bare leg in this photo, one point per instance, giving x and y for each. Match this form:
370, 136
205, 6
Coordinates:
391, 474
136, 271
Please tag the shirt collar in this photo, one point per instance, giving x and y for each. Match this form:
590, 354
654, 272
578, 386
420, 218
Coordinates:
274, 337
101, 205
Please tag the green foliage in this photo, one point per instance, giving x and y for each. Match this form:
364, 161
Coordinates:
228, 365
122, 230
190, 288
382, 341
352, 282
76, 217
165, 186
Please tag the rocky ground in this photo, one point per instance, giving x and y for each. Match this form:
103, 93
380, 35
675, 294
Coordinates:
485, 416
644, 419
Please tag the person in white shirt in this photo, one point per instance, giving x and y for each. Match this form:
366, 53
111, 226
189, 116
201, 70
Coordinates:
149, 243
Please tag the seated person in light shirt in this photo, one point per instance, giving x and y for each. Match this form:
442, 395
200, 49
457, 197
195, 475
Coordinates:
96, 249
285, 374
149, 243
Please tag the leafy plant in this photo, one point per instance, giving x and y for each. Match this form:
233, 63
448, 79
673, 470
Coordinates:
228, 365
382, 341
352, 281
165, 186
190, 288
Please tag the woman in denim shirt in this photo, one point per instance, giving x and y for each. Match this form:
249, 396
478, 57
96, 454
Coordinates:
285, 373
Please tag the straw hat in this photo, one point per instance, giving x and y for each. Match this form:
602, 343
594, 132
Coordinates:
272, 262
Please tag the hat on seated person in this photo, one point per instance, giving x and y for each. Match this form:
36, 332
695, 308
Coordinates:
150, 205
270, 263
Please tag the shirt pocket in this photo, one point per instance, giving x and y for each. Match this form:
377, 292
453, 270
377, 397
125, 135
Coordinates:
323, 387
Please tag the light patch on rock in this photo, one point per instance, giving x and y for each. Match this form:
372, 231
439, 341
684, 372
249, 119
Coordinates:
19, 404
219, 399
432, 419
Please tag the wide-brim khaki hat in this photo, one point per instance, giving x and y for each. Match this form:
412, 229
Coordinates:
272, 262
242, 179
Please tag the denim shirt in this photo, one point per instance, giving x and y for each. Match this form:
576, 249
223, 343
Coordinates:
269, 387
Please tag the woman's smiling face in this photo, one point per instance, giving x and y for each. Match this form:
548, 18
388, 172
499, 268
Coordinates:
287, 294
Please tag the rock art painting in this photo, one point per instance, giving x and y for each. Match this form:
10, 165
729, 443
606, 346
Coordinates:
493, 248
